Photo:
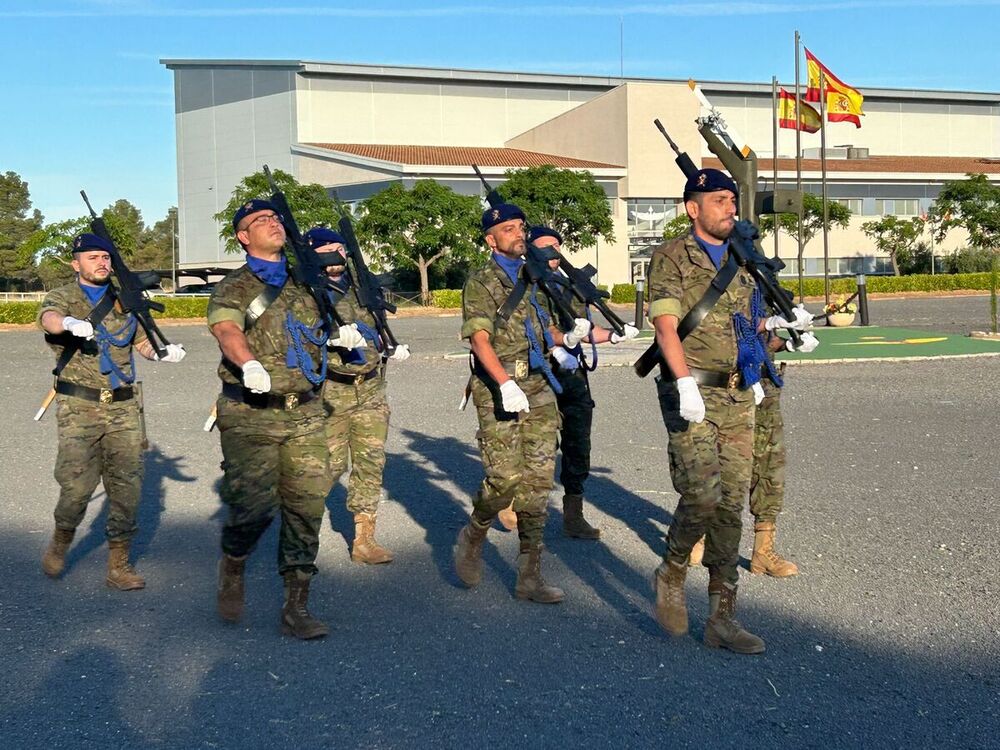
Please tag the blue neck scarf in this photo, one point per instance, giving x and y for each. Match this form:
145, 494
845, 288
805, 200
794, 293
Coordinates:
715, 252
511, 266
273, 272
94, 293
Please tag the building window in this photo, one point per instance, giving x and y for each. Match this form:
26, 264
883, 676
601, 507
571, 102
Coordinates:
856, 205
648, 216
897, 206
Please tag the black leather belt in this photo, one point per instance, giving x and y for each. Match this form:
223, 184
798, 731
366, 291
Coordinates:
285, 401
358, 379
99, 395
709, 378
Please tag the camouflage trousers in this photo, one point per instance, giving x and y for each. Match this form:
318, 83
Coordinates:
99, 442
274, 461
576, 408
710, 464
767, 484
357, 425
519, 457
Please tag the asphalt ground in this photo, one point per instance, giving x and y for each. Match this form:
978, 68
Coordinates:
890, 637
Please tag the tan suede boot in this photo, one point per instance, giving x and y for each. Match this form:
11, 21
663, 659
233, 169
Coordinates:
54, 559
574, 524
722, 630
765, 558
229, 598
121, 575
697, 553
295, 618
508, 518
530, 584
365, 549
469, 552
671, 603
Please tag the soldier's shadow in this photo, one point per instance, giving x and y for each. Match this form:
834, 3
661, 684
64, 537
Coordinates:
157, 469
415, 480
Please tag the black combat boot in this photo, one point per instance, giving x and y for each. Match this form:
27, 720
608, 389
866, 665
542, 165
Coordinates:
722, 630
230, 594
295, 617
574, 524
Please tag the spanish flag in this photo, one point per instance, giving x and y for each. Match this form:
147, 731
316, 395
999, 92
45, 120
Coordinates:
843, 103
809, 120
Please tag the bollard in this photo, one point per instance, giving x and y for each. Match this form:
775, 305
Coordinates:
640, 285
863, 299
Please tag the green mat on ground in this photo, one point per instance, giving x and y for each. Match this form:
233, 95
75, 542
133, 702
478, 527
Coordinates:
878, 342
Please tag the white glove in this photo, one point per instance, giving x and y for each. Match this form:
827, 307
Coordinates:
692, 405
513, 397
255, 377
402, 353
758, 393
77, 327
349, 337
175, 353
566, 360
802, 322
630, 333
581, 327
809, 342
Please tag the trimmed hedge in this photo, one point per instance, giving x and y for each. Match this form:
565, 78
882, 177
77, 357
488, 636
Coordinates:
176, 307
18, 312
447, 298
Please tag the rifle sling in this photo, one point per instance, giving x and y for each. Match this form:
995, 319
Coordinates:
260, 304
94, 317
513, 300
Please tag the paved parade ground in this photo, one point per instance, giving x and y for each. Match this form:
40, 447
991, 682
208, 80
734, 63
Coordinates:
890, 637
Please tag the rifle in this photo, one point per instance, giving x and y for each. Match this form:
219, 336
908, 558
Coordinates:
742, 243
370, 293
132, 286
536, 268
308, 269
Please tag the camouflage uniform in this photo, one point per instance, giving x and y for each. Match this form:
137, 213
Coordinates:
97, 441
767, 485
357, 417
710, 461
274, 459
518, 450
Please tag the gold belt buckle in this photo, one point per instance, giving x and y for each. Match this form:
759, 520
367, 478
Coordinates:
734, 380
291, 401
107, 395
520, 369
359, 379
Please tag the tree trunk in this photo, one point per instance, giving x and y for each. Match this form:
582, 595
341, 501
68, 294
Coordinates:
895, 264
425, 293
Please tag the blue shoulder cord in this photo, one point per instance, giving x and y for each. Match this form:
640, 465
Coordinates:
592, 365
120, 338
536, 358
297, 356
751, 355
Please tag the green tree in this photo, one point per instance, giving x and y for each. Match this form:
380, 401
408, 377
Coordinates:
417, 228
156, 246
838, 215
679, 226
310, 204
570, 202
52, 248
895, 237
973, 204
126, 227
17, 222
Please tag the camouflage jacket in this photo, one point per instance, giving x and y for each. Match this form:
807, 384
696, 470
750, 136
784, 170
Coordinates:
268, 337
351, 311
85, 367
680, 273
484, 294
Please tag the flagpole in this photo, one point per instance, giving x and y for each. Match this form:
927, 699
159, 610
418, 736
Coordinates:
822, 161
798, 161
774, 153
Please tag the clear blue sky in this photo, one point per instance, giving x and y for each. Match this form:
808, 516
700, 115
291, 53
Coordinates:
87, 104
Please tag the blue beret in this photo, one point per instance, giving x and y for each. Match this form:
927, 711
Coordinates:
88, 241
252, 207
319, 236
709, 181
500, 213
535, 232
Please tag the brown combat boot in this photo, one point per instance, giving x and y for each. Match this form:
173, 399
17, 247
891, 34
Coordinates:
229, 598
365, 549
722, 629
295, 617
469, 552
671, 604
121, 575
508, 518
574, 524
697, 553
54, 559
530, 584
765, 558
